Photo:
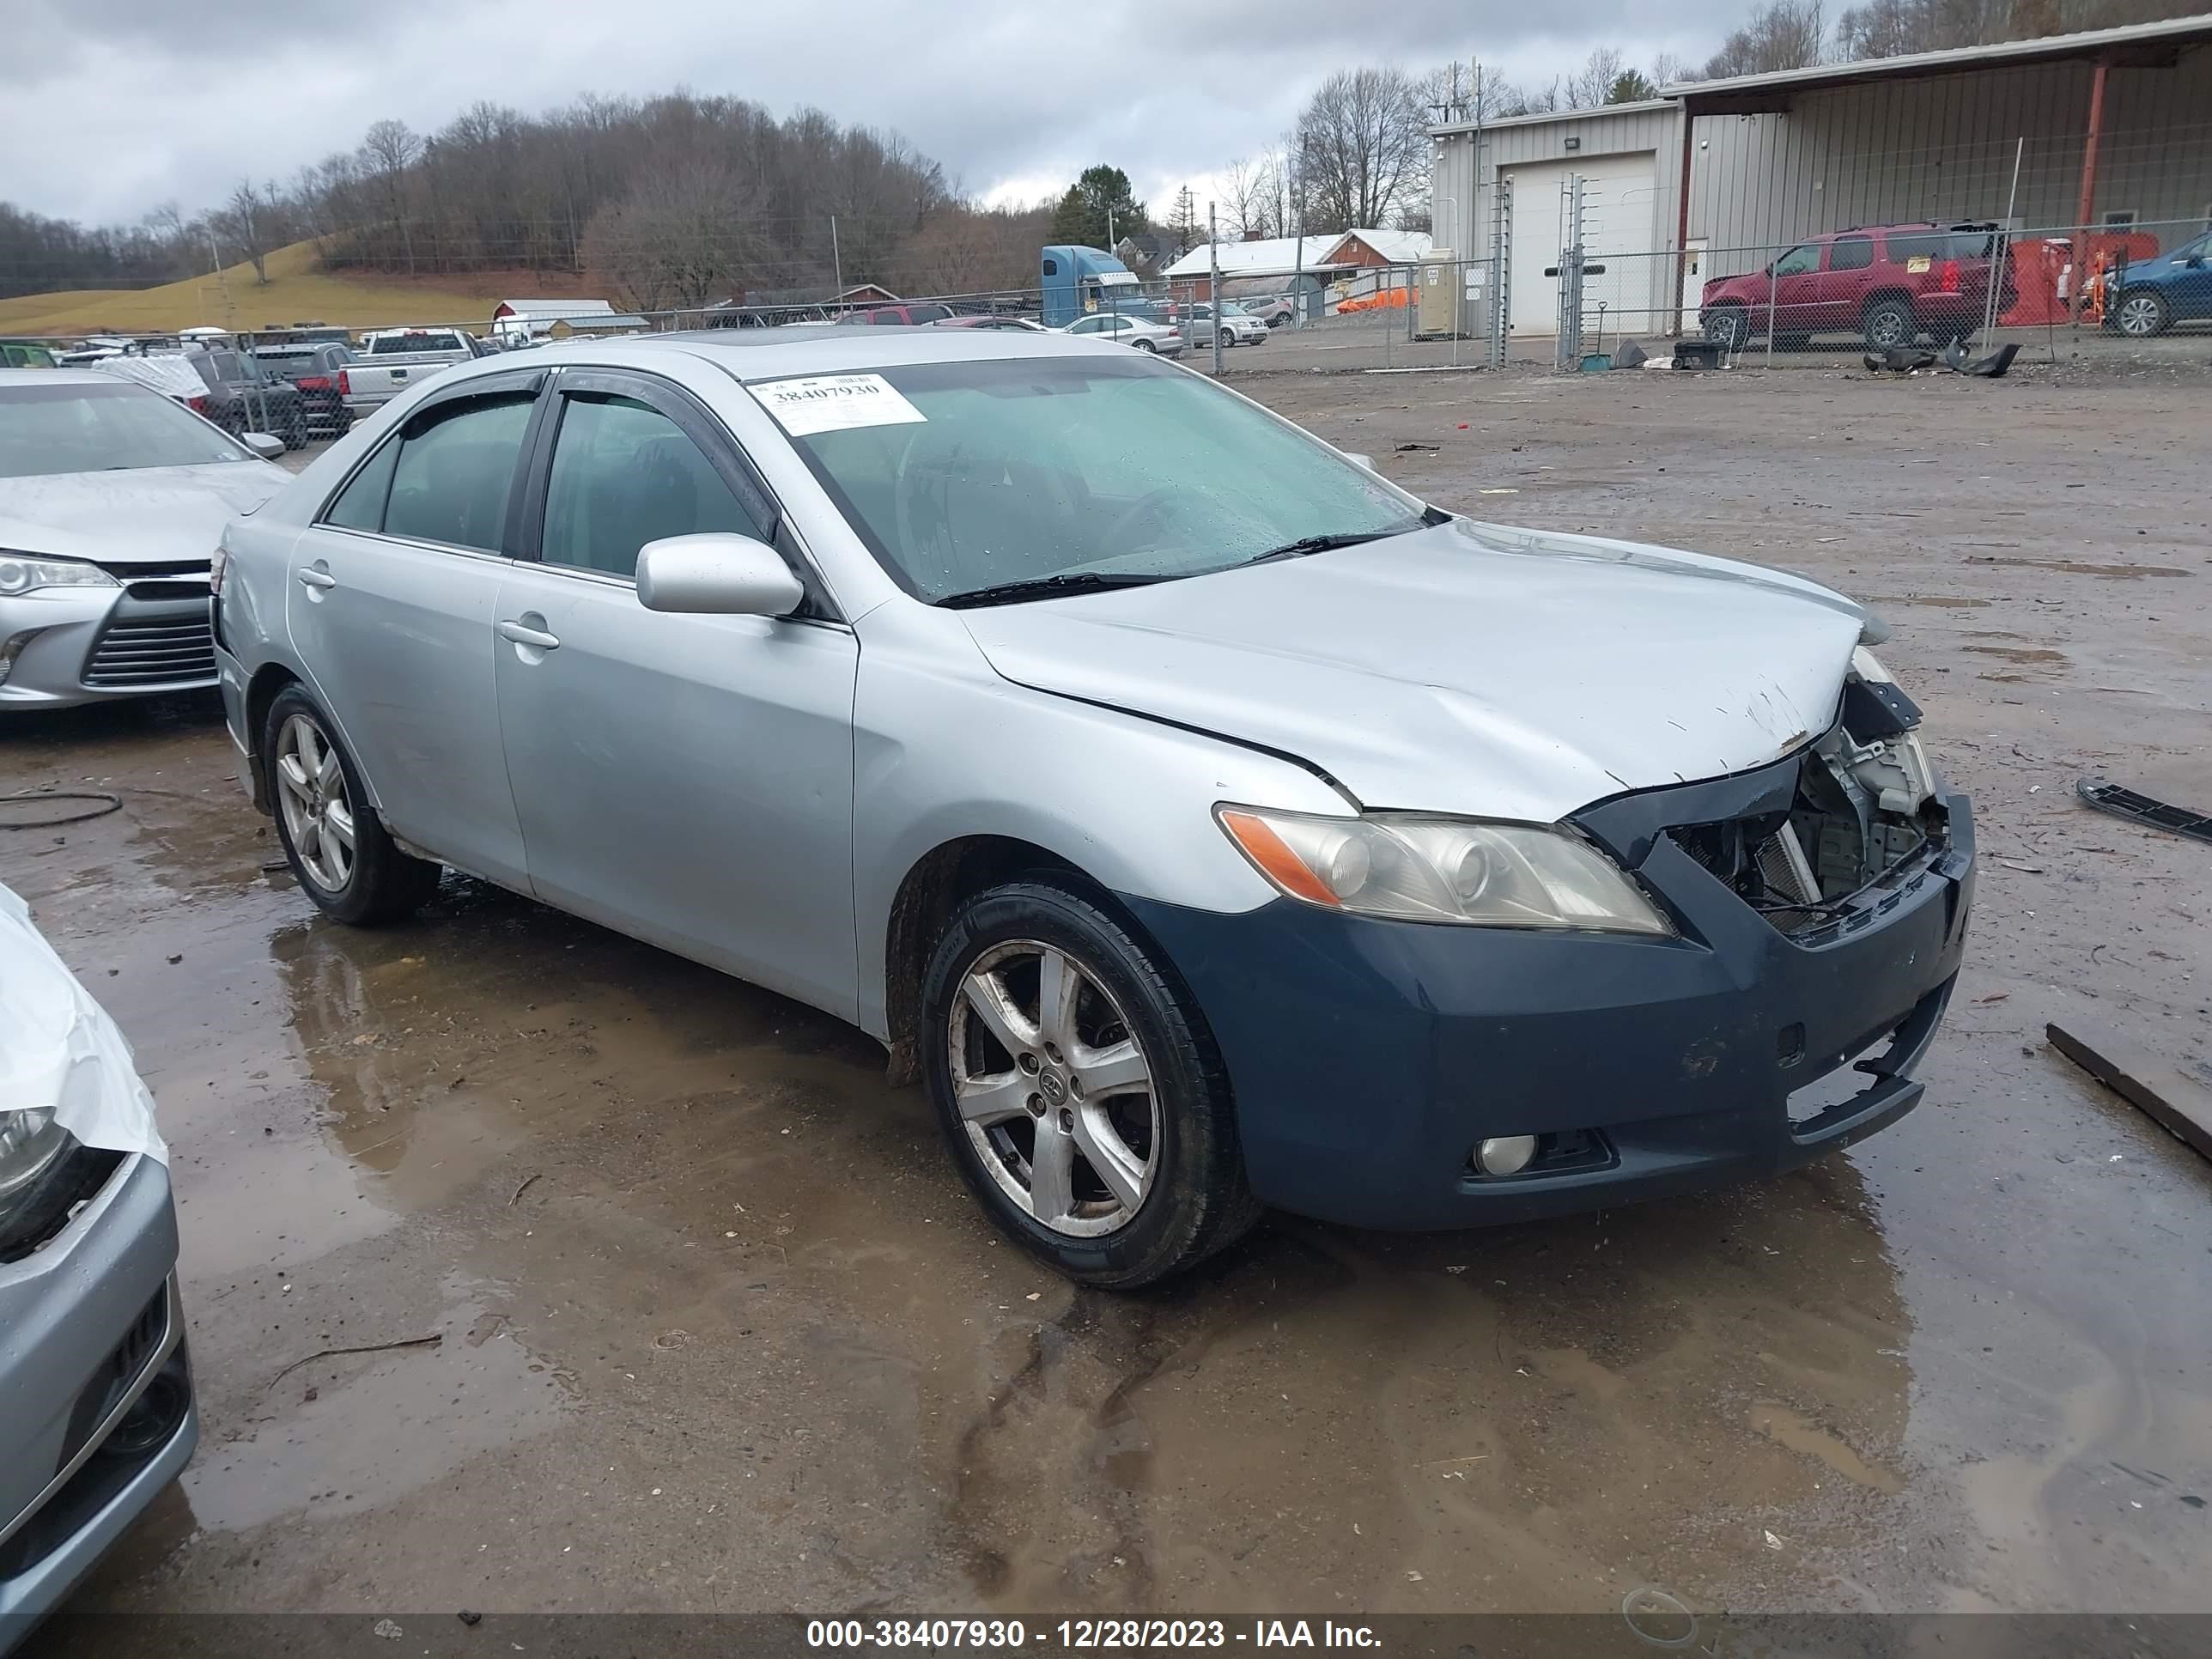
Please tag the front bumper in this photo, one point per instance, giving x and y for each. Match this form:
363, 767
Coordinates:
96, 1408
1368, 1057
76, 645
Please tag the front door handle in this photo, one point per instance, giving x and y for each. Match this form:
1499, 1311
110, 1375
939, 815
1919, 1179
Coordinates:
521, 634
317, 575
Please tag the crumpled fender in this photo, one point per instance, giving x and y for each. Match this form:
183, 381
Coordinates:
58, 1048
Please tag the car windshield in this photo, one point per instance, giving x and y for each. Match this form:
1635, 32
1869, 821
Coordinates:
48, 429
1077, 469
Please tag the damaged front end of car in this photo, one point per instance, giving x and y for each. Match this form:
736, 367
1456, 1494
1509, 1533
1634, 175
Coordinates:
1865, 815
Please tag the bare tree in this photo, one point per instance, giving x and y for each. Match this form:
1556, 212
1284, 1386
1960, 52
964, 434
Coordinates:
1363, 147
1592, 84
387, 151
682, 237
1668, 68
1252, 197
252, 222
1785, 34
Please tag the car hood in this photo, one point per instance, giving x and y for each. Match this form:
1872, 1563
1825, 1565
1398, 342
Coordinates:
140, 515
1468, 668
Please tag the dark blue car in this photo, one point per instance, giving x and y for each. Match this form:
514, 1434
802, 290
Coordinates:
2152, 296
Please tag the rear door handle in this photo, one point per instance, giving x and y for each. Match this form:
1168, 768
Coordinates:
522, 635
315, 575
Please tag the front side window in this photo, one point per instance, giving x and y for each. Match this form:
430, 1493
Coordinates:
455, 466
624, 474
1112, 467
1798, 262
1089, 325
45, 430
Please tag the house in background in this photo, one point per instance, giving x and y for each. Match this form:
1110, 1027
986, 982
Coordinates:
1149, 254
1304, 267
534, 319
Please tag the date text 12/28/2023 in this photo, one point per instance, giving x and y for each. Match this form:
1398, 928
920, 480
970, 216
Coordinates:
1085, 1635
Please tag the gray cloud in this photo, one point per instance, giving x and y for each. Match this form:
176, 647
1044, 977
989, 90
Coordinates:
112, 107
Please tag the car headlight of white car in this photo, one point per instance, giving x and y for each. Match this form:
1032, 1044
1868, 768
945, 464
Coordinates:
24, 572
1412, 868
31, 1145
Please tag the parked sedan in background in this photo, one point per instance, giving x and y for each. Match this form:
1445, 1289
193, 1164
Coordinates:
111, 500
317, 371
96, 1407
1216, 823
1155, 337
1238, 326
991, 319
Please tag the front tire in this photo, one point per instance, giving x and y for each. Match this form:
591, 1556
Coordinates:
337, 848
1145, 346
2141, 314
1730, 327
1080, 1090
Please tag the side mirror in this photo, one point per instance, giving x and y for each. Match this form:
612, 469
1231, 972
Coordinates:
717, 574
264, 445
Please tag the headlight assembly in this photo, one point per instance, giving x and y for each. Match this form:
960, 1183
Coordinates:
31, 1148
1449, 870
22, 574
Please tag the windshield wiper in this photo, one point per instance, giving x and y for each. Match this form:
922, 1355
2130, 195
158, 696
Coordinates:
1306, 544
1067, 581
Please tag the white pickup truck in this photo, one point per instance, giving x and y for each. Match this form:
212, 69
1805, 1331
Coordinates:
390, 360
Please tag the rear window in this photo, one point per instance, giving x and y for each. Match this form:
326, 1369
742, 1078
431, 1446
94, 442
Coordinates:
1938, 245
387, 345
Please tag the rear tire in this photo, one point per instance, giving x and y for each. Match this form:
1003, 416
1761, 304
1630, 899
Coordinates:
1033, 1156
1889, 323
1145, 346
337, 846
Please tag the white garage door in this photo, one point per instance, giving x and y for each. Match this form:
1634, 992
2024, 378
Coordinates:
1619, 210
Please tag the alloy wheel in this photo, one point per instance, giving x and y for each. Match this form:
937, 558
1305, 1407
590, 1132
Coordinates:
2139, 316
1054, 1089
311, 790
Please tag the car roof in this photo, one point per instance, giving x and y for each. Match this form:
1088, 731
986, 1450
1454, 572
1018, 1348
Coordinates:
774, 354
61, 377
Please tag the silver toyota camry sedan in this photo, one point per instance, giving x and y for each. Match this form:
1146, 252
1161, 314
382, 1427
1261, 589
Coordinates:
111, 496
1209, 823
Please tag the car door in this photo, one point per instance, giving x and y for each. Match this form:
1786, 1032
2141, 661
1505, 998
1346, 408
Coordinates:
686, 779
1798, 290
1843, 281
391, 607
2190, 292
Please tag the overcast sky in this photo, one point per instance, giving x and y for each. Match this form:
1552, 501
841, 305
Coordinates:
109, 108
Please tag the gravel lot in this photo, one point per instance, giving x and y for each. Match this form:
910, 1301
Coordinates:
719, 1330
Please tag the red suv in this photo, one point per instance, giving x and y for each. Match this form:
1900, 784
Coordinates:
1889, 284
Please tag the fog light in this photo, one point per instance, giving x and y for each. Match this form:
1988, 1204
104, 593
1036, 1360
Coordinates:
1504, 1155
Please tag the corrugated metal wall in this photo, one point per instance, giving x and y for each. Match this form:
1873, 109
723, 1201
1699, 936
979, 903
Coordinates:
1943, 149
1462, 176
1882, 153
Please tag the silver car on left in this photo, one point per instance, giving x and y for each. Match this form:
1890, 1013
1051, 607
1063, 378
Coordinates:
111, 500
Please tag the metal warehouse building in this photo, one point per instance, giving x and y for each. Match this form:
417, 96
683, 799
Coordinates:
2110, 130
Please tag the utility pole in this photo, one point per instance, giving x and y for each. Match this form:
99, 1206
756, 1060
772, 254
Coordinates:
837, 259
1214, 279
1297, 248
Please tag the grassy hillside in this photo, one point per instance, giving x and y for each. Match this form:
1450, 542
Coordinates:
295, 292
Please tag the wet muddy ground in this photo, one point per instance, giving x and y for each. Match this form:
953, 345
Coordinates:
662, 1300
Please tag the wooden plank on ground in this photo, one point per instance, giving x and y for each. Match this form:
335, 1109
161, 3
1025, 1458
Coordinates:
2176, 1101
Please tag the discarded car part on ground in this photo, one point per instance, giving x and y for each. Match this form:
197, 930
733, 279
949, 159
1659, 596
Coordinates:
100, 1412
2178, 1103
1629, 354
1992, 367
1081, 551
2141, 809
1899, 360
1700, 354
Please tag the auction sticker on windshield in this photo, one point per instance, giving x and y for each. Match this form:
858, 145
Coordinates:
834, 403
